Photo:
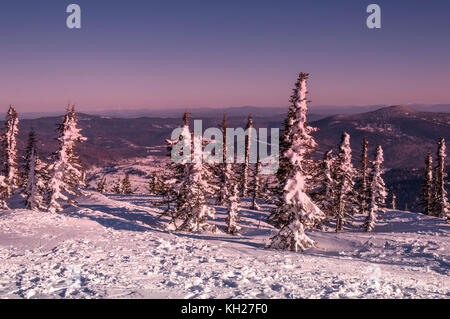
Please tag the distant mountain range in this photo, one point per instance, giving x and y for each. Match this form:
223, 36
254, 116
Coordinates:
316, 111
334, 110
405, 133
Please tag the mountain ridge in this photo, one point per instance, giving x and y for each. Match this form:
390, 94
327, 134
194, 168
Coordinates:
316, 111
111, 139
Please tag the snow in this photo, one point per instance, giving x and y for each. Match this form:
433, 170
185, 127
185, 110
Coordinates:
385, 128
116, 246
139, 169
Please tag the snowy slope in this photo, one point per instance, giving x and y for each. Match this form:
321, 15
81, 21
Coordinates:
140, 170
116, 246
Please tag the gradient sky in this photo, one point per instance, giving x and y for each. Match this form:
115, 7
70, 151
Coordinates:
172, 54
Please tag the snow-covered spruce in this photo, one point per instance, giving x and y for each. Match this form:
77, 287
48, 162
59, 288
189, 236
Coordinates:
344, 202
393, 203
284, 164
440, 205
298, 211
246, 165
194, 188
126, 185
35, 176
83, 180
221, 167
427, 187
322, 195
286, 139
256, 185
101, 186
3, 193
232, 201
117, 187
65, 172
9, 143
296, 130
362, 191
155, 184
176, 166
378, 192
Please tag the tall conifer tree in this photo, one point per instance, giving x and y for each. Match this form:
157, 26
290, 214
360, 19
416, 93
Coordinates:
35, 177
441, 206
296, 212
363, 192
246, 165
221, 167
9, 141
295, 127
344, 201
427, 195
66, 171
378, 192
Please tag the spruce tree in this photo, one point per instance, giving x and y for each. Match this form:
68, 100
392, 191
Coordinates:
296, 212
3, 193
323, 194
157, 184
233, 210
175, 170
117, 188
35, 176
9, 141
246, 165
221, 167
101, 186
192, 206
427, 195
65, 172
344, 202
83, 182
296, 119
393, 203
232, 200
378, 192
441, 206
363, 192
256, 185
194, 187
126, 185
286, 140
154, 185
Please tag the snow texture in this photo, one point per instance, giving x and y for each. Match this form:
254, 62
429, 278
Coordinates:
116, 246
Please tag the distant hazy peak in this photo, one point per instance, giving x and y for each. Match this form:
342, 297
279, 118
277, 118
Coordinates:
397, 109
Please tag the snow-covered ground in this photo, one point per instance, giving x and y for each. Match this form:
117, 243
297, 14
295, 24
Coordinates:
140, 170
116, 246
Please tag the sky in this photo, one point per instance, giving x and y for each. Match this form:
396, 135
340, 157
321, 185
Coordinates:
172, 54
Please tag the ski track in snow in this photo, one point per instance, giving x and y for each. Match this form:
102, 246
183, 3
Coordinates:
117, 247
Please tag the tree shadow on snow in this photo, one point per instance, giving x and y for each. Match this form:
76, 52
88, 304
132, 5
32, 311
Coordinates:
238, 239
118, 218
